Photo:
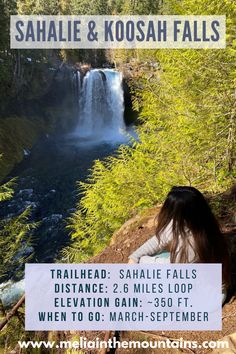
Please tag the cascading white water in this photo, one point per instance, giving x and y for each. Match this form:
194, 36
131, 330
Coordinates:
101, 106
79, 86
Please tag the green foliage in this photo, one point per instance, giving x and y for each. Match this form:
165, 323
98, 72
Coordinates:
145, 7
31, 7
6, 56
6, 190
14, 240
13, 332
187, 136
14, 237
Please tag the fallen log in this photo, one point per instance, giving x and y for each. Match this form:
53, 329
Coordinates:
12, 312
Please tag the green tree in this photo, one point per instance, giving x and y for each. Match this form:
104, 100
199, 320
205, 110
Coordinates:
40, 7
15, 235
186, 101
145, 7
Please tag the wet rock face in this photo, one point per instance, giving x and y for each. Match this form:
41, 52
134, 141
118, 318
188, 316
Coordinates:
26, 192
102, 75
24, 251
84, 68
26, 152
47, 106
53, 219
130, 116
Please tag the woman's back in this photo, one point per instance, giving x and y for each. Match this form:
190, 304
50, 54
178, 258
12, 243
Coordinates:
188, 229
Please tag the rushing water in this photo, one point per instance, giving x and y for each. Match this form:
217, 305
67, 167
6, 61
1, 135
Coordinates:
48, 176
101, 106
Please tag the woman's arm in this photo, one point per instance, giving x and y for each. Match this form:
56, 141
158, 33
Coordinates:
149, 248
153, 245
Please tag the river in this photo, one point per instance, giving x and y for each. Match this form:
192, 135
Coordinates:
47, 178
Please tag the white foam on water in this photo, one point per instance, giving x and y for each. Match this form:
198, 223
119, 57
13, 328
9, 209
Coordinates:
101, 107
10, 292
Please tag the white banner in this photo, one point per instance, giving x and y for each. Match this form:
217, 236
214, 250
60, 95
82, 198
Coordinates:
123, 297
117, 32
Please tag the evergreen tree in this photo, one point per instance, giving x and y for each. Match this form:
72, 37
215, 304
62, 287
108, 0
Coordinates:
14, 238
186, 104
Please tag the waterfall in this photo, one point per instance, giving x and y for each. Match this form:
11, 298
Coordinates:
101, 105
78, 81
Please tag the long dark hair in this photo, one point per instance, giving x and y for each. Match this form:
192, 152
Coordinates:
188, 211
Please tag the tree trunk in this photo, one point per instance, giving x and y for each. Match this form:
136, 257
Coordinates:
12, 313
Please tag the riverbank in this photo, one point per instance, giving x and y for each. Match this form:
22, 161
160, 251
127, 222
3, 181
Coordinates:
47, 184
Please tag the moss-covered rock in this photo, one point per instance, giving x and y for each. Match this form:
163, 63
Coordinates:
16, 134
37, 111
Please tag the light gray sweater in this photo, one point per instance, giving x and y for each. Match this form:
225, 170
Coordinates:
153, 246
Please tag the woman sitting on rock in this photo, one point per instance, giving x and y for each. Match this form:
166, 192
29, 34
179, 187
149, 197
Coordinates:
187, 232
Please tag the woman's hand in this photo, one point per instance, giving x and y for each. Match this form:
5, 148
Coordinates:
132, 261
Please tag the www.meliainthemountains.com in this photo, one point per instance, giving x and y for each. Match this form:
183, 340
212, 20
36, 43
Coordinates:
84, 343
